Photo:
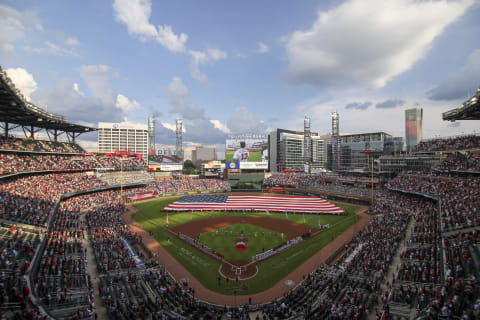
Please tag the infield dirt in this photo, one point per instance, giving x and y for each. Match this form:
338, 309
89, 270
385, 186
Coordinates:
288, 228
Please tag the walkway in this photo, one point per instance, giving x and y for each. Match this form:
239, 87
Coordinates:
395, 308
93, 272
179, 272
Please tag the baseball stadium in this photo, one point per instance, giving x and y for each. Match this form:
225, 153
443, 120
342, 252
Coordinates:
193, 248
209, 210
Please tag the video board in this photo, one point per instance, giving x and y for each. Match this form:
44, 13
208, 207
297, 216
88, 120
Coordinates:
246, 148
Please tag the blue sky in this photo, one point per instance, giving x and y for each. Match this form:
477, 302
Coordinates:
245, 66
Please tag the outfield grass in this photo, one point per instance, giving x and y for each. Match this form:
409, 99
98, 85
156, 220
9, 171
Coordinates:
205, 269
223, 240
255, 156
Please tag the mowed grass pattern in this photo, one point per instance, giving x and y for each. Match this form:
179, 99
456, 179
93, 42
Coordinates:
223, 240
205, 269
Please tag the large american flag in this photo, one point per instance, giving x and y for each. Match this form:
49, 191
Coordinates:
256, 203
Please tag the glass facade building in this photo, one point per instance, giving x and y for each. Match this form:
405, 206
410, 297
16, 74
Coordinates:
413, 127
286, 151
355, 149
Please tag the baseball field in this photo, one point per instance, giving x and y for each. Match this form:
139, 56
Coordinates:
221, 231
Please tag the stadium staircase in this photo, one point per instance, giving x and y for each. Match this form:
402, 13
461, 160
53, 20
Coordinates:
93, 272
397, 309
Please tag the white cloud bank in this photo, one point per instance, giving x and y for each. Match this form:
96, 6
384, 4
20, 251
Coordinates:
135, 14
367, 41
201, 57
23, 80
66, 98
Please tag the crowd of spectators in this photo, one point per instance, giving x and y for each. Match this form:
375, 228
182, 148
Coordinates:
459, 196
128, 177
325, 182
17, 248
61, 278
437, 275
21, 162
469, 162
448, 144
11, 162
13, 143
117, 163
31, 199
179, 185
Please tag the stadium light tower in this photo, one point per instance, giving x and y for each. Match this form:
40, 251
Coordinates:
307, 144
151, 132
335, 141
179, 146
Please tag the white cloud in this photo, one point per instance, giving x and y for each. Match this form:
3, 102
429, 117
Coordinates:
13, 25
125, 104
203, 131
77, 89
461, 84
167, 38
367, 42
243, 121
196, 127
134, 125
16, 25
97, 78
169, 126
71, 41
172, 126
262, 48
52, 49
135, 14
23, 80
220, 126
104, 104
180, 101
201, 57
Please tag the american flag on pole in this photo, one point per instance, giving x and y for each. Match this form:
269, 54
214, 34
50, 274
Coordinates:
285, 204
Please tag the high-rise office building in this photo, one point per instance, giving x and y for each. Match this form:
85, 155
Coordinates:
286, 151
413, 127
115, 136
203, 154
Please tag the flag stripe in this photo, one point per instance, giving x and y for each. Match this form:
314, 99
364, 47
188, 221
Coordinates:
255, 203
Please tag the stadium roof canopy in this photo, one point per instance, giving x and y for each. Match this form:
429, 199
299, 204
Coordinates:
15, 109
469, 110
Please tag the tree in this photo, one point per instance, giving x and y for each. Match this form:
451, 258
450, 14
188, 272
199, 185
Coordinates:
188, 164
189, 171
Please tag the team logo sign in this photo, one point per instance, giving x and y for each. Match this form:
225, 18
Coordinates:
232, 165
